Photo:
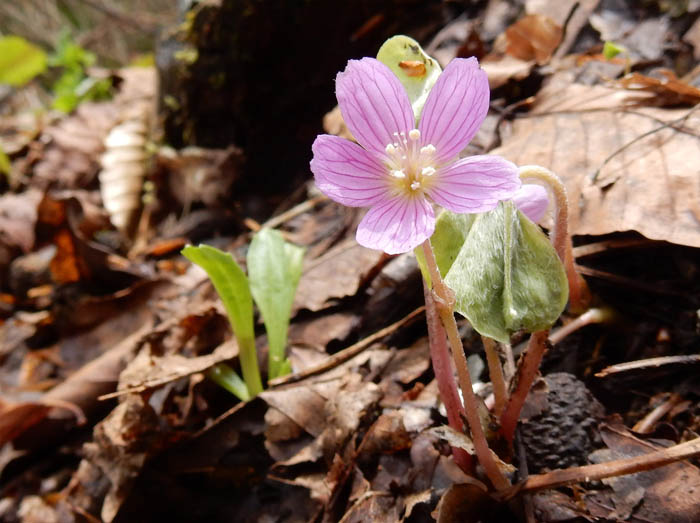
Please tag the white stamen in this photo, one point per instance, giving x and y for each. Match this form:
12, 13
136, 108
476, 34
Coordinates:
414, 134
390, 149
428, 149
428, 171
415, 186
398, 174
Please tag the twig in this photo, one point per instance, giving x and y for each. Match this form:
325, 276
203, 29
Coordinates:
648, 363
562, 477
591, 316
295, 211
645, 425
612, 155
347, 353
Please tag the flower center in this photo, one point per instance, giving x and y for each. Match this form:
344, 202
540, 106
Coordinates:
410, 166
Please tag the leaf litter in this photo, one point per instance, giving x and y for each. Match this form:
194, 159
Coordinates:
108, 336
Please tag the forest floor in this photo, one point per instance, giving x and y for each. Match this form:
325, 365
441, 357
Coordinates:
108, 333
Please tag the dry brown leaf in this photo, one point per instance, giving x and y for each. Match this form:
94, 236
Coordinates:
533, 37
573, 13
501, 69
333, 123
669, 90
18, 215
337, 274
302, 404
624, 168
692, 37
667, 494
148, 371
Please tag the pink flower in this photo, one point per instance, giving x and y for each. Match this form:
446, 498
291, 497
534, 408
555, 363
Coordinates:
398, 169
532, 200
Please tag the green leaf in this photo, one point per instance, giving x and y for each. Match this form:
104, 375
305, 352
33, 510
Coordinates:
274, 269
226, 377
417, 71
611, 50
5, 164
450, 232
507, 276
20, 61
231, 284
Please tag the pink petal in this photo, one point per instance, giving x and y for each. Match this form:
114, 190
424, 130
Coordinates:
455, 108
346, 173
397, 225
374, 104
532, 200
475, 184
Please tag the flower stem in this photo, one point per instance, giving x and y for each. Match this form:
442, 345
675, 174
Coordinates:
500, 391
579, 295
445, 306
525, 377
442, 366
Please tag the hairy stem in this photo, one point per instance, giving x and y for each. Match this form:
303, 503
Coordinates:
445, 306
527, 372
500, 391
579, 295
442, 366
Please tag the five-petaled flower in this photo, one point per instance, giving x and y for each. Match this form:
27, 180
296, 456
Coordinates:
398, 169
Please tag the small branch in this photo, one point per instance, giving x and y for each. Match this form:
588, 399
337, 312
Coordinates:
526, 376
445, 301
500, 391
579, 295
349, 352
591, 316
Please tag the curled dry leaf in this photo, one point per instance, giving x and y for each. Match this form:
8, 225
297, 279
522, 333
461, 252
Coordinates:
625, 168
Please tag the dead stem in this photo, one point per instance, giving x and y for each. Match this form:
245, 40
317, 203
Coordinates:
445, 300
591, 316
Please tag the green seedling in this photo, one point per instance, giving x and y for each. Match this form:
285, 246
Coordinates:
274, 269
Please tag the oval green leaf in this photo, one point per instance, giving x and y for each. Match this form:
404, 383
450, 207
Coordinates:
274, 269
507, 276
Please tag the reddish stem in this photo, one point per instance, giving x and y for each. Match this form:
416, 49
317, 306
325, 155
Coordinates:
579, 295
442, 366
527, 372
445, 308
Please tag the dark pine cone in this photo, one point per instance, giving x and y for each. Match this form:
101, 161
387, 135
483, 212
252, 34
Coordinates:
565, 431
